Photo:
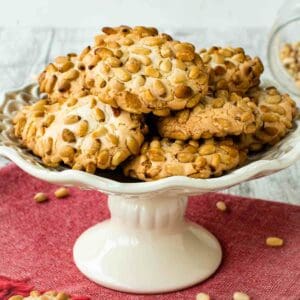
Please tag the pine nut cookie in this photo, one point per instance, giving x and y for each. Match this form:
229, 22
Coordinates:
224, 114
51, 295
231, 69
198, 159
136, 69
83, 133
277, 112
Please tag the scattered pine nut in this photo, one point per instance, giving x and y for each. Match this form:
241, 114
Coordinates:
240, 296
61, 192
274, 241
40, 197
221, 206
202, 296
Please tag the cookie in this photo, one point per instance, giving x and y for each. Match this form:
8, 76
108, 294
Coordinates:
136, 69
34, 295
64, 77
198, 159
83, 133
276, 111
231, 69
224, 114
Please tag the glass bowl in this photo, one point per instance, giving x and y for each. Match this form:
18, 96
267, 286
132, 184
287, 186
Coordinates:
286, 29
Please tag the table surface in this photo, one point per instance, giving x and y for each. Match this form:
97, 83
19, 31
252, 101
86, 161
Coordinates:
25, 51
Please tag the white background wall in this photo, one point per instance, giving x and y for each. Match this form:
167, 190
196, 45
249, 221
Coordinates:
168, 13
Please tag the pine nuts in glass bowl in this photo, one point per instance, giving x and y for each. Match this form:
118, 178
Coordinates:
282, 44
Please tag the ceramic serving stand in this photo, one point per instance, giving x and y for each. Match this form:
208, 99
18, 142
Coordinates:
147, 246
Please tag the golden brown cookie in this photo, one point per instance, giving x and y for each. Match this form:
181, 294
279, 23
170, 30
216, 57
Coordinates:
83, 133
224, 114
136, 69
276, 111
163, 158
34, 295
231, 69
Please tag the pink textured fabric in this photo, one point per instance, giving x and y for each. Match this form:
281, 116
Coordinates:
37, 239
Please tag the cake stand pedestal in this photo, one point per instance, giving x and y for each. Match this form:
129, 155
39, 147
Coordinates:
147, 246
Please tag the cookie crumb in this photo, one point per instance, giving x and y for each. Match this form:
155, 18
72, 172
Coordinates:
202, 296
240, 296
221, 205
274, 241
40, 197
62, 193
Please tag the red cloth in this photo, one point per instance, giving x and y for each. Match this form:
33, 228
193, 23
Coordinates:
37, 240
10, 287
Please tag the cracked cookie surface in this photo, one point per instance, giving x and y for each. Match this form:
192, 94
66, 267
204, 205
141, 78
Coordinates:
83, 133
162, 158
136, 69
231, 69
224, 114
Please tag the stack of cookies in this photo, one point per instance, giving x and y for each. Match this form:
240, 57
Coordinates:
153, 106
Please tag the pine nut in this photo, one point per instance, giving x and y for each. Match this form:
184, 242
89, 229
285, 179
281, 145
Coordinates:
159, 88
91, 168
150, 71
194, 72
133, 65
202, 296
207, 149
100, 116
165, 66
141, 50
67, 152
40, 197
50, 83
103, 158
132, 145
71, 119
119, 157
185, 157
183, 91
83, 128
68, 136
156, 155
240, 296
221, 205
63, 85
62, 193
274, 241
122, 75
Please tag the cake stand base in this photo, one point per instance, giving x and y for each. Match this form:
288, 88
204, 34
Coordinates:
147, 247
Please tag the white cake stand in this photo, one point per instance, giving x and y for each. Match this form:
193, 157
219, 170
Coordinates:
146, 246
